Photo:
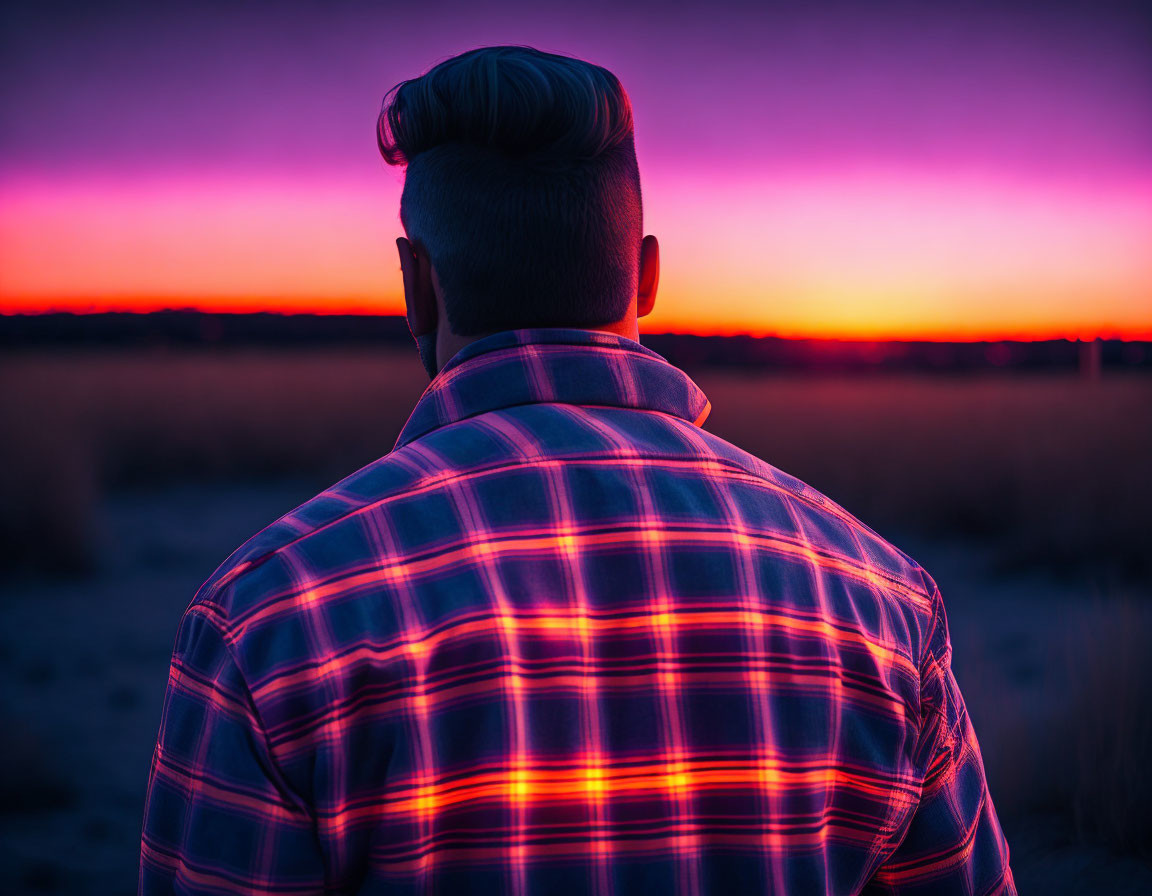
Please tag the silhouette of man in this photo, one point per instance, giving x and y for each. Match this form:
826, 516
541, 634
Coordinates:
561, 639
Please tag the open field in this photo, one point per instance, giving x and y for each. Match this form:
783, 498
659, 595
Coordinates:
1051, 469
126, 478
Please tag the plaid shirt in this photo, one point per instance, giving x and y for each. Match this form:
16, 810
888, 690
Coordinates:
562, 640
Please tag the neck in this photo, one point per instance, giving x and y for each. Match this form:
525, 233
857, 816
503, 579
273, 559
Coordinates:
449, 343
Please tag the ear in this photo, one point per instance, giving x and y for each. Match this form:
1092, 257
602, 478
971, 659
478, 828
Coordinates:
649, 275
419, 293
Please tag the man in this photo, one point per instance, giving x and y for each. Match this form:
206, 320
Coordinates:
561, 640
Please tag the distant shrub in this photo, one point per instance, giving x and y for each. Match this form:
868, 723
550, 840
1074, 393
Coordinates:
1067, 734
1110, 714
48, 482
31, 776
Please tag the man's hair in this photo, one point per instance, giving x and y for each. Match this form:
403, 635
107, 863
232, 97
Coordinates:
521, 186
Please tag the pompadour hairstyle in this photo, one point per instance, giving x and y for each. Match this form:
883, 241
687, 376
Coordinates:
521, 186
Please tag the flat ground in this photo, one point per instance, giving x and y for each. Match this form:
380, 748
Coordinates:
1025, 499
83, 666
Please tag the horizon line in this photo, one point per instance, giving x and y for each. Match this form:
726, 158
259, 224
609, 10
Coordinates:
1106, 335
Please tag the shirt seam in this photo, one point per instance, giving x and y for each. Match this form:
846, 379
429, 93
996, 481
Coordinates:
999, 883
448, 424
209, 612
227, 579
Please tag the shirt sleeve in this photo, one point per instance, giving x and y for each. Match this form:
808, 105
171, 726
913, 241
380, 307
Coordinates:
218, 818
954, 843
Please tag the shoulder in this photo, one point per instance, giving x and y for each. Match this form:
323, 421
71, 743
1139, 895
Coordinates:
828, 525
391, 505
887, 591
318, 538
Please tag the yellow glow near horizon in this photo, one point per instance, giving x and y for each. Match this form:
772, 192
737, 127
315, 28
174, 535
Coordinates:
848, 254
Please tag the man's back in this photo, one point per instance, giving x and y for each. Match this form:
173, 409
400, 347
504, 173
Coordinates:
563, 640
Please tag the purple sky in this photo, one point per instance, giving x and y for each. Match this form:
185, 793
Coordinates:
114, 87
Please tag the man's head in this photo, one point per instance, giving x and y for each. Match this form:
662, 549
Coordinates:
521, 199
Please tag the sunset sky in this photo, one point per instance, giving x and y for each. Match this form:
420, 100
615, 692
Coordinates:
913, 170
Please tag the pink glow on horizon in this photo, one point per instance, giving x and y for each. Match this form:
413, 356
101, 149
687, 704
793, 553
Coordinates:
852, 251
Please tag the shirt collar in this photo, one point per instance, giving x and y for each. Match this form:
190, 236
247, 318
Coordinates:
553, 364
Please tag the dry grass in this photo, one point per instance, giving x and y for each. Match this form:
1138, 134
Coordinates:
77, 424
1111, 714
1071, 737
1053, 469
